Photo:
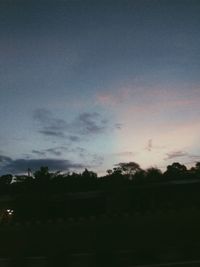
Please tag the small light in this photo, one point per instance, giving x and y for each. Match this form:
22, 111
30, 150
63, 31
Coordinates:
9, 211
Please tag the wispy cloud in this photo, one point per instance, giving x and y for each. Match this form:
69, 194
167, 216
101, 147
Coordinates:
55, 151
142, 101
86, 123
4, 159
195, 157
176, 154
52, 133
90, 123
91, 159
96, 160
74, 138
118, 126
108, 98
47, 119
49, 125
149, 145
38, 152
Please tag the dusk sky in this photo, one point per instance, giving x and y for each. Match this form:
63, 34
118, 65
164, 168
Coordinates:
94, 83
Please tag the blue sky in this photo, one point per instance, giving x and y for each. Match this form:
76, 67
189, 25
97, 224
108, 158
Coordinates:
91, 84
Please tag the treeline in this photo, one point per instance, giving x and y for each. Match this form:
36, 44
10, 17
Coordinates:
126, 188
123, 174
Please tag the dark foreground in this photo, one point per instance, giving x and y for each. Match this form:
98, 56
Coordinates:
42, 262
159, 238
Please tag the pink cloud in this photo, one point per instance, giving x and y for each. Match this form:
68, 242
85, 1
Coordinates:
176, 154
106, 99
159, 103
185, 102
113, 98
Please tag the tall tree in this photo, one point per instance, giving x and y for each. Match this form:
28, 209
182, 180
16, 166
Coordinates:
128, 168
153, 174
43, 174
176, 171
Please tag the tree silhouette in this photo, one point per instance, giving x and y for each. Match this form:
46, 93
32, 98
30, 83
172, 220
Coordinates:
128, 169
176, 171
153, 174
89, 174
195, 171
109, 172
6, 179
42, 175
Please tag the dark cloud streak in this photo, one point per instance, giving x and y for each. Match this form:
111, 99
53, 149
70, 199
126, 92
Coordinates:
4, 159
90, 123
21, 165
55, 133
86, 123
49, 125
176, 154
38, 153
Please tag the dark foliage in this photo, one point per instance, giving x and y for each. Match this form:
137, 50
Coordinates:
125, 188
